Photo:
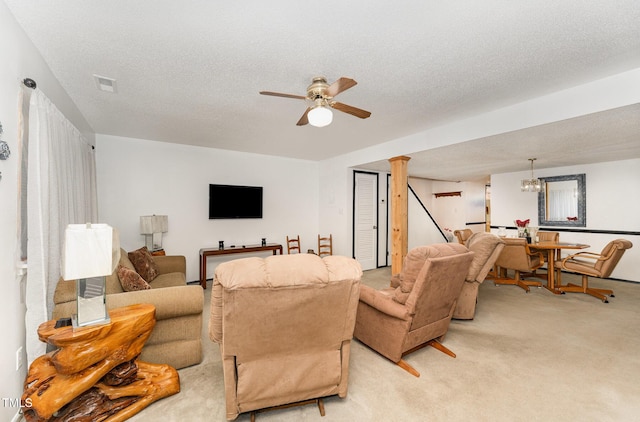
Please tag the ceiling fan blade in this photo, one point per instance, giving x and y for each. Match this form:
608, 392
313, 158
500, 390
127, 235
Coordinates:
340, 85
304, 119
358, 112
279, 94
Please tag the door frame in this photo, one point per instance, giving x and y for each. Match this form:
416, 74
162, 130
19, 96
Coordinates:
353, 215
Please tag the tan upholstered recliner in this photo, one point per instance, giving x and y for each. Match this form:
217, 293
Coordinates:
517, 256
284, 325
397, 321
487, 248
595, 265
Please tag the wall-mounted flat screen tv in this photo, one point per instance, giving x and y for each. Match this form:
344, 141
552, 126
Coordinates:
231, 201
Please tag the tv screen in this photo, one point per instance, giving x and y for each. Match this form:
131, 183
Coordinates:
229, 201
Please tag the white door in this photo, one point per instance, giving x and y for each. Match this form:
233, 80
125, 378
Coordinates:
365, 216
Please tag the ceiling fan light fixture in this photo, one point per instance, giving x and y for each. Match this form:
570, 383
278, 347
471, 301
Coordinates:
320, 116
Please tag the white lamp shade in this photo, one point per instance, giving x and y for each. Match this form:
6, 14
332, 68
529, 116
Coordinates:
90, 250
320, 116
150, 224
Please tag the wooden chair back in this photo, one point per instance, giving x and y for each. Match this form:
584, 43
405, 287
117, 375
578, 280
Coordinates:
293, 244
544, 236
325, 246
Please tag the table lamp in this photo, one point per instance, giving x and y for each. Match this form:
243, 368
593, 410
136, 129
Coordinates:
152, 227
91, 252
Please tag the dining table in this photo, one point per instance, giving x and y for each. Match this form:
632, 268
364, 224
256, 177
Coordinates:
554, 251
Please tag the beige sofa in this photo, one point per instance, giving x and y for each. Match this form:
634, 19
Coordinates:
284, 325
176, 337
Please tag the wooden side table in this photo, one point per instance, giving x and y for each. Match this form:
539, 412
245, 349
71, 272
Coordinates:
95, 370
205, 252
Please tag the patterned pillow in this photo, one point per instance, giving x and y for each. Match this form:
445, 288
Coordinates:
131, 280
144, 264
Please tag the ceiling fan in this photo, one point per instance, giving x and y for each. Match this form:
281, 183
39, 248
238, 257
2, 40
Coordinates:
321, 95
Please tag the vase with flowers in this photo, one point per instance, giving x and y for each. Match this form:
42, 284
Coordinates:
523, 228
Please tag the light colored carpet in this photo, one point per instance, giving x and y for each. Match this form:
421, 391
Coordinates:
525, 357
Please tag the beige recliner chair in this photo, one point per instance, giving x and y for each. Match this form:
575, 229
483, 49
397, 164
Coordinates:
397, 321
284, 325
487, 248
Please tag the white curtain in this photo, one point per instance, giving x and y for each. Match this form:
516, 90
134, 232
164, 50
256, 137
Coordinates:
61, 189
562, 204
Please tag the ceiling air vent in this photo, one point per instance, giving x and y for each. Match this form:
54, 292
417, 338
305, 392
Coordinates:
105, 84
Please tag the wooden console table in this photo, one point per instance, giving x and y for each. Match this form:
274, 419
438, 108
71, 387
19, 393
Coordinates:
205, 252
95, 373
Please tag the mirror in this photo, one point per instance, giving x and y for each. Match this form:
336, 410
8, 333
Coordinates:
562, 202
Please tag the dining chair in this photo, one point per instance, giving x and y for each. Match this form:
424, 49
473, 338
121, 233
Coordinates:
545, 236
293, 244
589, 264
325, 245
463, 235
517, 256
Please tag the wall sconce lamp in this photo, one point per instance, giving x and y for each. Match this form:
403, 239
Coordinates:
152, 227
91, 252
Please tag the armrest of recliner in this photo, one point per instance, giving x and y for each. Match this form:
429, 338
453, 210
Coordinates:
396, 279
382, 302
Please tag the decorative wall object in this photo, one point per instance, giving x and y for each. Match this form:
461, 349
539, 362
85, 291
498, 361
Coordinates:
5, 152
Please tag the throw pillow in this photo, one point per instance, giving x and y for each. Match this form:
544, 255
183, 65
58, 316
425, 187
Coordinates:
144, 264
131, 280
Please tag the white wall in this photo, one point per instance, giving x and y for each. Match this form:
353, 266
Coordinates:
141, 177
612, 205
20, 60
335, 173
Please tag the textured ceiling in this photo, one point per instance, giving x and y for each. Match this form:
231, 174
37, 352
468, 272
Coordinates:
610, 135
190, 72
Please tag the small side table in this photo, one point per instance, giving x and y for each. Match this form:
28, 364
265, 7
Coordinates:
159, 252
95, 370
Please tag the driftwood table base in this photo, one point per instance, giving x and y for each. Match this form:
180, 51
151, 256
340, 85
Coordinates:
94, 375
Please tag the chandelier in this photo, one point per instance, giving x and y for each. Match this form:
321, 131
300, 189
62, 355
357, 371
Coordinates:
533, 184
